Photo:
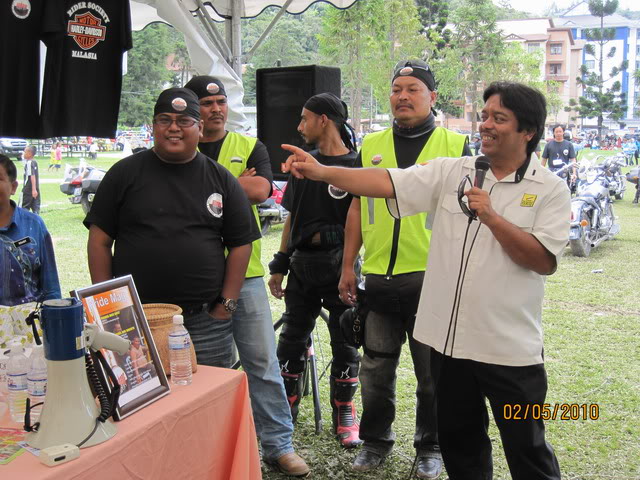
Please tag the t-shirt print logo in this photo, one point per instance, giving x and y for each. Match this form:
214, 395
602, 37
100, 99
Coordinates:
214, 205
87, 30
21, 8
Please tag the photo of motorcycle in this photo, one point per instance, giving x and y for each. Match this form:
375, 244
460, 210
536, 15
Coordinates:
271, 211
81, 184
592, 217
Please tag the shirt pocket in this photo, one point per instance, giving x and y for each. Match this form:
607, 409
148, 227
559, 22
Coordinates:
450, 221
521, 217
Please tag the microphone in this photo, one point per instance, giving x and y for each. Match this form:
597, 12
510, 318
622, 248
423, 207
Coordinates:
482, 165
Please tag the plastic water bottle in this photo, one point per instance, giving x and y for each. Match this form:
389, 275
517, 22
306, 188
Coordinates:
180, 352
17, 368
37, 381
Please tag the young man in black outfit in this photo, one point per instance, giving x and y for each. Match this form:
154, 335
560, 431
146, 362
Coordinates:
311, 253
31, 182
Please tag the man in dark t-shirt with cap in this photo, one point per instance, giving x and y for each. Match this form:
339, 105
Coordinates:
172, 212
311, 254
247, 160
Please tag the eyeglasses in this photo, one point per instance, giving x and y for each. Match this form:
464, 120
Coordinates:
419, 64
182, 122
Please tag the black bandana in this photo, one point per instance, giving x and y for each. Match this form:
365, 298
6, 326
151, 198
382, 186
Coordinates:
206, 86
413, 132
336, 111
178, 100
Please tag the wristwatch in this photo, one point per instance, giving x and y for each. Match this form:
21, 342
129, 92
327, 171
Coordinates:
230, 305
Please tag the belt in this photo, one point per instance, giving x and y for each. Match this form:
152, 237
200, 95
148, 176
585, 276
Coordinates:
196, 308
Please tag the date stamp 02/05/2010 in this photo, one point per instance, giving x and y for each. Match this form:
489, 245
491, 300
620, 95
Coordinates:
547, 411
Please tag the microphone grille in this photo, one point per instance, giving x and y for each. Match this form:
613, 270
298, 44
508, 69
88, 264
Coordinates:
482, 163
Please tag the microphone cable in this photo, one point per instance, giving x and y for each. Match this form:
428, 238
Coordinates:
453, 320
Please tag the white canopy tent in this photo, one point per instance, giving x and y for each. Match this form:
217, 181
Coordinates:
211, 52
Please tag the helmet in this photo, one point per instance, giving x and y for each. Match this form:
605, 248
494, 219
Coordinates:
567, 136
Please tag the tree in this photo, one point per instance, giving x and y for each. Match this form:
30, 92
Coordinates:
597, 100
293, 41
366, 41
434, 15
480, 45
147, 74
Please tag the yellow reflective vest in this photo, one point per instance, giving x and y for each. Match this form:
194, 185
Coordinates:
233, 156
392, 246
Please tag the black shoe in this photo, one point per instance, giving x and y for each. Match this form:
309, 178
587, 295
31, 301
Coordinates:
367, 460
429, 465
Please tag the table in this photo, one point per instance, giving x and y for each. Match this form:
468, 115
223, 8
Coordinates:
202, 431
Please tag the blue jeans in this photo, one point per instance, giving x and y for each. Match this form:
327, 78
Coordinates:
255, 340
212, 339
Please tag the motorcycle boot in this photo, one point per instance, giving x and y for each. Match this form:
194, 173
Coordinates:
293, 385
345, 422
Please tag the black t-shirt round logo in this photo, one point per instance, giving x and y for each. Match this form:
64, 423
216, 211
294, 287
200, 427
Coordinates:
336, 193
213, 88
21, 8
565, 151
214, 205
179, 104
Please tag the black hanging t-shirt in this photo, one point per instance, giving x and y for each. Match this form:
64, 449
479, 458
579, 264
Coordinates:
20, 27
316, 206
83, 74
171, 224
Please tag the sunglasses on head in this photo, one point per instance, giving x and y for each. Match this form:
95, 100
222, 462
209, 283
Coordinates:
419, 64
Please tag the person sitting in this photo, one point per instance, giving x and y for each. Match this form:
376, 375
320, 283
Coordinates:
27, 261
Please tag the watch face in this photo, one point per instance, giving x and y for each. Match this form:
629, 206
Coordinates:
230, 305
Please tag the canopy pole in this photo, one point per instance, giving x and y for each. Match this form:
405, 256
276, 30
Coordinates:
236, 38
267, 30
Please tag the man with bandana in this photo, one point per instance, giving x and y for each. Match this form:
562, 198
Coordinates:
310, 253
171, 213
394, 265
248, 160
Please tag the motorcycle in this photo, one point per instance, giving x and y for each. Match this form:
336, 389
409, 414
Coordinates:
564, 172
613, 170
81, 184
632, 176
271, 211
592, 217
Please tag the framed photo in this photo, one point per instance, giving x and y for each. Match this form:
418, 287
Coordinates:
115, 307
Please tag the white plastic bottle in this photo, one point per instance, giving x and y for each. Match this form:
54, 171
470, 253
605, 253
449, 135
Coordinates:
180, 352
37, 381
17, 368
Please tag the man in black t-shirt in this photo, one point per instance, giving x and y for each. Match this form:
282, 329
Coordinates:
559, 152
171, 212
311, 253
247, 160
31, 181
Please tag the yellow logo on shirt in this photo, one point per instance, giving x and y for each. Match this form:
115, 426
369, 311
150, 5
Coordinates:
528, 199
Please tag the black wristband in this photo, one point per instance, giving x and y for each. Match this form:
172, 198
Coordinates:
279, 264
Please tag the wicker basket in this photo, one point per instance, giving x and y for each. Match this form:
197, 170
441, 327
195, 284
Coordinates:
160, 318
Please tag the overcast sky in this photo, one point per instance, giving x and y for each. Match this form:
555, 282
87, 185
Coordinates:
537, 7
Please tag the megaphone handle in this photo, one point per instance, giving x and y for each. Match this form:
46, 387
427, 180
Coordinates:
31, 320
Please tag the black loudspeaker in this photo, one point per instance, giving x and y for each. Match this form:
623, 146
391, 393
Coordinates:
280, 95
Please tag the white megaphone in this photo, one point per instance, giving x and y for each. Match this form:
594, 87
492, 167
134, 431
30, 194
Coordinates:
70, 413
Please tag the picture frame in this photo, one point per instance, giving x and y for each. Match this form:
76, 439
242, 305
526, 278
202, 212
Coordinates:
114, 305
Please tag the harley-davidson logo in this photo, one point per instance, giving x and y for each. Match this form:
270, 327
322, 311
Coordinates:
87, 30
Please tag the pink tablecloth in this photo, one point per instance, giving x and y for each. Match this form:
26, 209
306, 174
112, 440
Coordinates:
202, 431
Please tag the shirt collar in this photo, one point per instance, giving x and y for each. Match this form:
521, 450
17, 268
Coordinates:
14, 217
529, 170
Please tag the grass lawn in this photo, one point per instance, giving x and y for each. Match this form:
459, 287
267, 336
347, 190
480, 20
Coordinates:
592, 351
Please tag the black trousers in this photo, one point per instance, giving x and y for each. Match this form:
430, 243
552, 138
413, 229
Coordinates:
462, 387
30, 203
311, 285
